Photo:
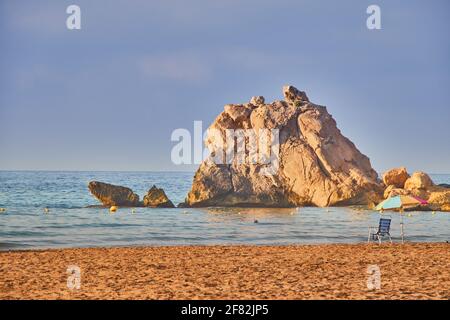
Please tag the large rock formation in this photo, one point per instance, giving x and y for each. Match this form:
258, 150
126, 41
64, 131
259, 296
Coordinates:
316, 165
111, 195
156, 198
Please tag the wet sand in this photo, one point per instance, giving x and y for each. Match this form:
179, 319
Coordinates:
410, 271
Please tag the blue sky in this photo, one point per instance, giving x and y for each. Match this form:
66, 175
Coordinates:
108, 96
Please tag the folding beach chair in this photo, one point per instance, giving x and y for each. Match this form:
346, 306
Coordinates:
380, 232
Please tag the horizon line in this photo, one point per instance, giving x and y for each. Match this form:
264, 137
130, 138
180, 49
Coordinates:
149, 171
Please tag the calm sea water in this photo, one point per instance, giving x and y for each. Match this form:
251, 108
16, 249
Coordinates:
69, 224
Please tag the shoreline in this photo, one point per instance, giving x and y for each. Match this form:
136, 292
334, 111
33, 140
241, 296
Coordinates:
315, 271
396, 241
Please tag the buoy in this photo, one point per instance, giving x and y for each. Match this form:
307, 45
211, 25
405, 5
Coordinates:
133, 211
409, 215
46, 210
434, 212
113, 209
2, 210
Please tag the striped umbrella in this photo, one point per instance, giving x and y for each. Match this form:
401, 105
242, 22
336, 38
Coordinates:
399, 202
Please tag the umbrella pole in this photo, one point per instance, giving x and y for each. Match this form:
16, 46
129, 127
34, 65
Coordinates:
401, 226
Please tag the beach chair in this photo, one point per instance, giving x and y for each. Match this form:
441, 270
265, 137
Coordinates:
383, 230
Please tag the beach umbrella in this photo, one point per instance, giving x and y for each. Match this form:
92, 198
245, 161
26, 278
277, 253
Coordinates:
400, 202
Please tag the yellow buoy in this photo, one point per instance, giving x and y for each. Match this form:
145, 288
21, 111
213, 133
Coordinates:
113, 209
2, 210
133, 211
409, 215
434, 212
46, 210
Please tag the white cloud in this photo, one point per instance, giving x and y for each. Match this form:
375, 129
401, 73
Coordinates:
184, 67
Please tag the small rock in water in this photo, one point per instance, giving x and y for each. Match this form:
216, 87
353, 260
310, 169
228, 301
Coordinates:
111, 195
156, 198
256, 221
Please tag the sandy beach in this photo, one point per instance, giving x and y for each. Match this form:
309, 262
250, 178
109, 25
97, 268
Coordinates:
410, 271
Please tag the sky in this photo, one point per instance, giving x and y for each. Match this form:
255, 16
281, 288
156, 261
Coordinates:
109, 96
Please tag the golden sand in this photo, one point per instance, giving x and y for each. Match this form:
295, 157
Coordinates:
410, 271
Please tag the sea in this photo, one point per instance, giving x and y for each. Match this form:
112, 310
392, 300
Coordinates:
69, 223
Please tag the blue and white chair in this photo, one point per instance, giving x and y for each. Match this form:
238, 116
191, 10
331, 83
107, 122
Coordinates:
382, 231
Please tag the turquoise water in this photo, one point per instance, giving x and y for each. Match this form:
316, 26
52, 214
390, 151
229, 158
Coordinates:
69, 224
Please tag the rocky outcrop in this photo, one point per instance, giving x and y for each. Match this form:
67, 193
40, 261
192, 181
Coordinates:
156, 198
419, 181
396, 177
257, 100
293, 95
117, 196
392, 191
420, 185
310, 163
439, 197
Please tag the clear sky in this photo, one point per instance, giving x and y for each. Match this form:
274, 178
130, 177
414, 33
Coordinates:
108, 96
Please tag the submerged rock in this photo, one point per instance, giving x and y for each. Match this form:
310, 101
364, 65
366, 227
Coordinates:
112, 195
156, 198
316, 165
